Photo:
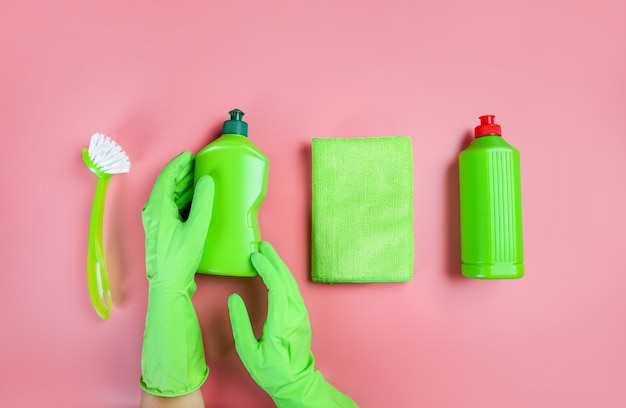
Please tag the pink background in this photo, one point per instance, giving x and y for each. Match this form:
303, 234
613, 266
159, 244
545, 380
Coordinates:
159, 76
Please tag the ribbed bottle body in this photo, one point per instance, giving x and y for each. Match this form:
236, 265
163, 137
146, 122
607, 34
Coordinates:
491, 210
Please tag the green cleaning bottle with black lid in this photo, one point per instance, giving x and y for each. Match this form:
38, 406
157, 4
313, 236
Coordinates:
491, 206
240, 171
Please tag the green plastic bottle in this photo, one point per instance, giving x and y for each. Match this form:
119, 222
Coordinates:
239, 170
491, 206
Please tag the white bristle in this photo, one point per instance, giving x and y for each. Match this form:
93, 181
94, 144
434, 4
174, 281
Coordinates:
107, 155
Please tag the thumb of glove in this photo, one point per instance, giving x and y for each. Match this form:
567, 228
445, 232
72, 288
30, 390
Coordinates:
241, 326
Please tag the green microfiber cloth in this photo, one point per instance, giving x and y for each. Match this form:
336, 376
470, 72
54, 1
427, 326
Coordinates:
362, 209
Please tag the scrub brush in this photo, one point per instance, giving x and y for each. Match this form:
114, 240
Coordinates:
105, 158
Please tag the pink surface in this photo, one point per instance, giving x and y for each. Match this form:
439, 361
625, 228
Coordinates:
160, 76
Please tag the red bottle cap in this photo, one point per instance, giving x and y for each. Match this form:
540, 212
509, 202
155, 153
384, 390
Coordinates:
487, 127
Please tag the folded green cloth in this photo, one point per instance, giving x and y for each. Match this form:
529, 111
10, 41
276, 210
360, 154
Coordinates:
362, 210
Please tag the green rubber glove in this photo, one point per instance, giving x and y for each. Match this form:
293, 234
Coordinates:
281, 361
172, 359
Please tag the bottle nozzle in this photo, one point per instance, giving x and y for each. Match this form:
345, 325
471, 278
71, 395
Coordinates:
236, 114
484, 120
487, 127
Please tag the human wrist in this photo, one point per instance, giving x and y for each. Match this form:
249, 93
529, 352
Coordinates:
193, 399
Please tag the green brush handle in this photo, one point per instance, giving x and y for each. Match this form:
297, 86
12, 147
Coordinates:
97, 277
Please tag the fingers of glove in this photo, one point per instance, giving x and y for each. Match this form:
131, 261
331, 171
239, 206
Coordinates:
176, 170
183, 178
202, 206
288, 281
245, 342
183, 192
168, 179
277, 294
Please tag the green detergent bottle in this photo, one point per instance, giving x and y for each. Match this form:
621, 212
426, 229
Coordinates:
491, 206
239, 170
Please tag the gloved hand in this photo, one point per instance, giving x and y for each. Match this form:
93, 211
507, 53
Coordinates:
281, 361
172, 359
